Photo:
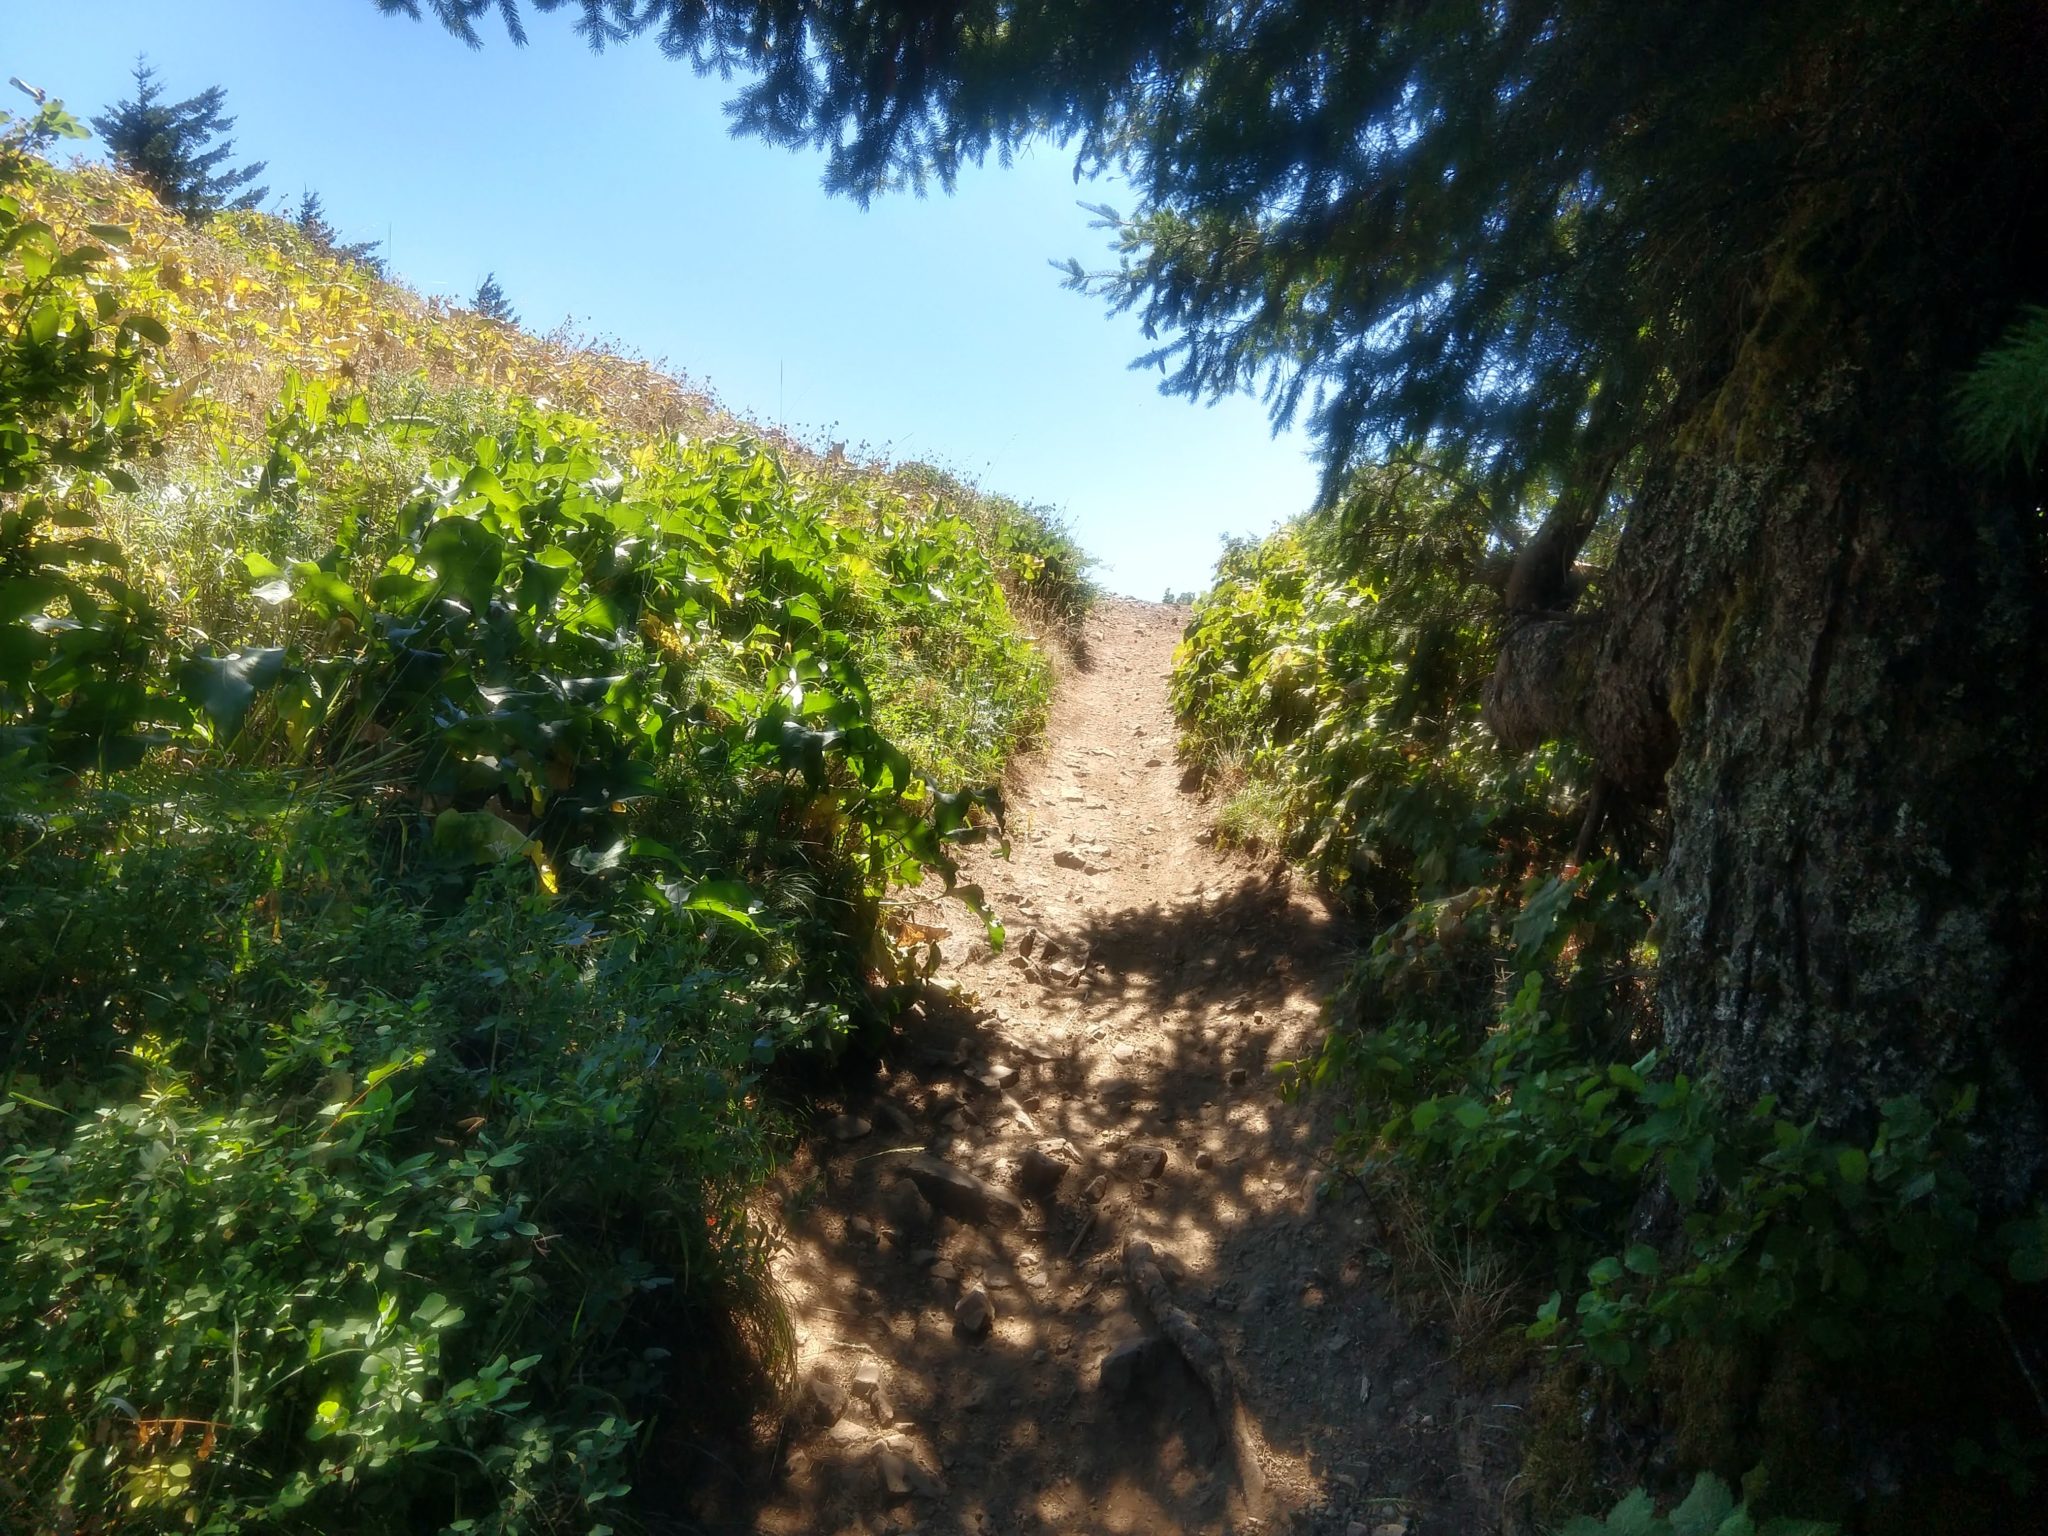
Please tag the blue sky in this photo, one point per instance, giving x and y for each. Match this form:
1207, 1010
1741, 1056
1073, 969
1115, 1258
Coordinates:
606, 187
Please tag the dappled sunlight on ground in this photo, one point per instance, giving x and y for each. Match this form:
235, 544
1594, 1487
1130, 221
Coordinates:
1128, 1033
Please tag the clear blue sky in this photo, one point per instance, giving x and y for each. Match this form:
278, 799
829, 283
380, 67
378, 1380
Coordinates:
606, 187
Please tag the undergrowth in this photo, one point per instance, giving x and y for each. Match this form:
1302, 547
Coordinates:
1710, 1268
445, 776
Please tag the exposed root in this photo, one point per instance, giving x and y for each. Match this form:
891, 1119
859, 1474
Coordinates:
1205, 1358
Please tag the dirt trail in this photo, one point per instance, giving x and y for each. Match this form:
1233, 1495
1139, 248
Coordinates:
1149, 986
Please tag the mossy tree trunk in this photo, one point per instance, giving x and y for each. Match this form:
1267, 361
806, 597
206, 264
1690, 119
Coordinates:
1823, 643
1853, 667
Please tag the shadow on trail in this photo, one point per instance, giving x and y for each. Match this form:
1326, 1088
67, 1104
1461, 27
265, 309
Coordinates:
1235, 948
1017, 1432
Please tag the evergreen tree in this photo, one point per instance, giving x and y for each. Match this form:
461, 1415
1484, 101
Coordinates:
312, 222
1685, 285
490, 301
171, 147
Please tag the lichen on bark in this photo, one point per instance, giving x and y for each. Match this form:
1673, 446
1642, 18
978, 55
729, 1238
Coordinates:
1822, 643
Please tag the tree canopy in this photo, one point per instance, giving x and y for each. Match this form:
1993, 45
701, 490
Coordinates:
1521, 228
490, 301
180, 149
314, 224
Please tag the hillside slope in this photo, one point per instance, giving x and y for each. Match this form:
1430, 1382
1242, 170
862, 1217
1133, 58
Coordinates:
447, 778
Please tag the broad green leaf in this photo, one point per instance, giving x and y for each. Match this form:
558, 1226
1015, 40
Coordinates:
223, 687
1705, 1508
148, 328
728, 899
480, 837
468, 557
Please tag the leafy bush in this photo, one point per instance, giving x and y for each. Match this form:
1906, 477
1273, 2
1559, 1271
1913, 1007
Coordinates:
1045, 566
427, 817
1497, 1053
371, 1212
1340, 662
1709, 1509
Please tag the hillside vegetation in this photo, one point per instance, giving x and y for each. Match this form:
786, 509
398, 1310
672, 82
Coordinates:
445, 775
1664, 679
1561, 1195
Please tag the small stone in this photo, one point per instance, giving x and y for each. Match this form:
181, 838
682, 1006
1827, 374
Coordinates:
1141, 1162
1097, 1188
1066, 858
825, 1400
1205, 1159
973, 1313
960, 1194
995, 1077
895, 1117
1391, 1528
1039, 1174
847, 1127
907, 1208
895, 1470
944, 1269
860, 1230
1237, 1077
1122, 1366
867, 1378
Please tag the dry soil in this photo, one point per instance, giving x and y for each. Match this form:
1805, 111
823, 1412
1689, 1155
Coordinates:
1124, 1041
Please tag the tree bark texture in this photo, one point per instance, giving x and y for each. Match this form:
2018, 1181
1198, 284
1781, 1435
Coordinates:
1836, 644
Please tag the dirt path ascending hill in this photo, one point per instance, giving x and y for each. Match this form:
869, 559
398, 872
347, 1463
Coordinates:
1126, 1033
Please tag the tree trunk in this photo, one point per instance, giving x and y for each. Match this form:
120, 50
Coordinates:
1837, 642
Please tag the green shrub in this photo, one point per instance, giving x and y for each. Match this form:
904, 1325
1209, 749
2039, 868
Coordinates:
426, 819
1340, 663
1710, 1509
1497, 1055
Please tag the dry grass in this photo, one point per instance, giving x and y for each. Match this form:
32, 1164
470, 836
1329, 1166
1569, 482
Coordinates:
248, 298
1461, 1280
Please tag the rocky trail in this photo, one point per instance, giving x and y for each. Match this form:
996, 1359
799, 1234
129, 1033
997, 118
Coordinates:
1069, 1262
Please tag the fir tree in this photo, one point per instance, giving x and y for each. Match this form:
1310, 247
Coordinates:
312, 222
171, 148
1683, 286
490, 301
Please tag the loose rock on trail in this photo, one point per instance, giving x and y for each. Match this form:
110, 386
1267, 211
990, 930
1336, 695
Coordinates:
975, 1354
